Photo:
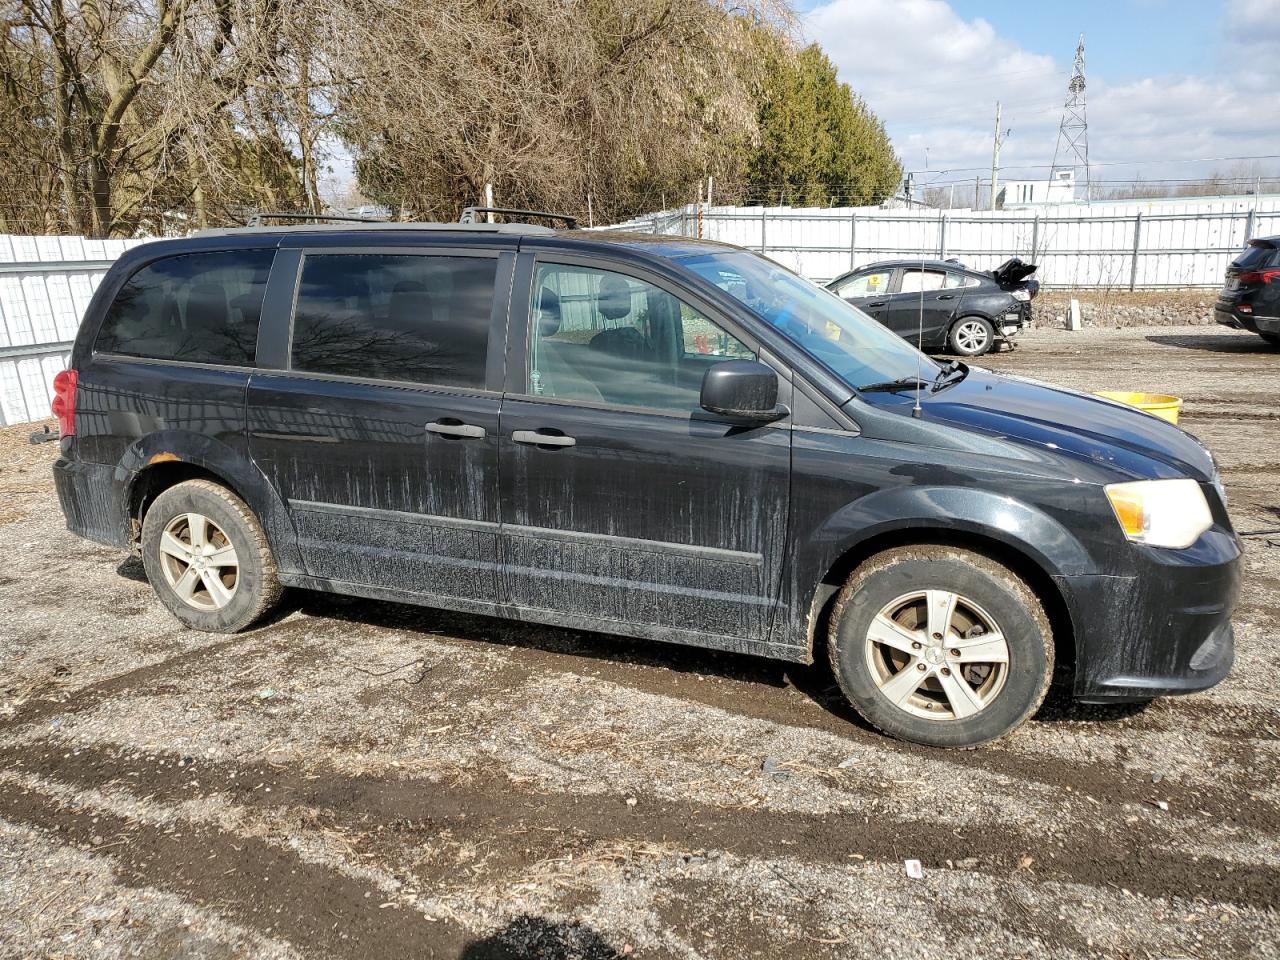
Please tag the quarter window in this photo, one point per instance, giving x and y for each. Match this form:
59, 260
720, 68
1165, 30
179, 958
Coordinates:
199, 307
417, 318
602, 337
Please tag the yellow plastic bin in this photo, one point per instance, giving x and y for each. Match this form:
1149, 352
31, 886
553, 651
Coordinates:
1158, 404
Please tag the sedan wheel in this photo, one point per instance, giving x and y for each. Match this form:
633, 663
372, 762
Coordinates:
937, 655
972, 337
199, 561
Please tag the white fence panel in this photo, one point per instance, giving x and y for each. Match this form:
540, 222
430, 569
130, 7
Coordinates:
1130, 244
46, 283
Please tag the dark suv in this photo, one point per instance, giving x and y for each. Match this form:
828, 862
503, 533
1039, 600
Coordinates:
943, 304
1250, 297
656, 437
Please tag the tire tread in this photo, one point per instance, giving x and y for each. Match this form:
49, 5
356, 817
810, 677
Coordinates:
895, 555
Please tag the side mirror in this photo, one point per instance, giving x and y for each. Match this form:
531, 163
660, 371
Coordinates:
745, 390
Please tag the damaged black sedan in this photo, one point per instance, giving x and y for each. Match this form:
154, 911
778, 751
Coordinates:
943, 305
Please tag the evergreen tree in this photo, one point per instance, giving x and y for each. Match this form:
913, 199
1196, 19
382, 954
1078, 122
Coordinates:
819, 141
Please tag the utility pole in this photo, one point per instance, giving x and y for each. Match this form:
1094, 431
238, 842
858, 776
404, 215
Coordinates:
995, 158
909, 188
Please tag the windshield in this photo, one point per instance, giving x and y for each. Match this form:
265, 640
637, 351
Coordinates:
855, 348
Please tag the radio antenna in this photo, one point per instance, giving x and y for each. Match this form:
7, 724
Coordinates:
916, 410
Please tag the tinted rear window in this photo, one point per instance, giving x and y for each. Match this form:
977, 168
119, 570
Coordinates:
1256, 256
199, 307
417, 318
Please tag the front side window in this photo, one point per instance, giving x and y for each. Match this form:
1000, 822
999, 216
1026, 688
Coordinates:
865, 285
417, 318
603, 337
847, 341
198, 308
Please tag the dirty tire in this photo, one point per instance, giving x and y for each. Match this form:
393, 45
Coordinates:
887, 576
257, 587
971, 337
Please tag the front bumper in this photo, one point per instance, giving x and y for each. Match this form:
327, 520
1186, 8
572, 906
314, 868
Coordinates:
1164, 631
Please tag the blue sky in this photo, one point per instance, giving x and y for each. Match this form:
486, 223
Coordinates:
1170, 81
1171, 31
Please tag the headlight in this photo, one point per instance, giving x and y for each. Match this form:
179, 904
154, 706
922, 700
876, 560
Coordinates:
1161, 513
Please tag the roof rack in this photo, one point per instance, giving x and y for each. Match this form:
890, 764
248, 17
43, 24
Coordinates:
257, 218
469, 215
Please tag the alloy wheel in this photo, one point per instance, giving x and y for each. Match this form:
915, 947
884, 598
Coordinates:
199, 561
937, 655
971, 336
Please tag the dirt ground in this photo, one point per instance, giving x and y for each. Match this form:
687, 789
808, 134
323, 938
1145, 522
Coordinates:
361, 779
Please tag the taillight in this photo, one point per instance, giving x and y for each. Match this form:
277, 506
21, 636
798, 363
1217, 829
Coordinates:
1259, 276
64, 401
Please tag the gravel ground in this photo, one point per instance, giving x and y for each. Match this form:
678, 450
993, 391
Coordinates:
361, 779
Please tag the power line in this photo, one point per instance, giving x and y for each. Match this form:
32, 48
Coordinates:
1108, 163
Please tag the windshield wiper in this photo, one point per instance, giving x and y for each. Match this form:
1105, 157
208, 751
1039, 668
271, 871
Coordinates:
947, 375
893, 386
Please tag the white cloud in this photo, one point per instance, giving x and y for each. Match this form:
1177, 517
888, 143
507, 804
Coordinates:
934, 77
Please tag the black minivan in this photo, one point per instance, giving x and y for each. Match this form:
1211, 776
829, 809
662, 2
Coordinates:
650, 436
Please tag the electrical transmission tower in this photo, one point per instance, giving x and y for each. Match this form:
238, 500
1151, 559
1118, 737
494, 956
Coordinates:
1073, 132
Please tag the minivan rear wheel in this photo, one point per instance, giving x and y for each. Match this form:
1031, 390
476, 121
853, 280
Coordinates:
207, 557
941, 646
971, 337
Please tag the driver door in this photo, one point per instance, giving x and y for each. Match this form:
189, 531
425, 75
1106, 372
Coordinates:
868, 290
625, 506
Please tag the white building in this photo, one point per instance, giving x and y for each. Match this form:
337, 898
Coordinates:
1059, 188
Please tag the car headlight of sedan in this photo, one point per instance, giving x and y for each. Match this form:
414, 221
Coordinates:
1161, 513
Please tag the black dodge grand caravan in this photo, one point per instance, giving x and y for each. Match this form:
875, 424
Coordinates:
649, 436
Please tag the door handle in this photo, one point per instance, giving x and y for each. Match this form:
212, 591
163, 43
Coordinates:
456, 430
540, 439
878, 303
946, 296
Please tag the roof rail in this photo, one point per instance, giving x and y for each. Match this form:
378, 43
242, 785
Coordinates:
469, 215
257, 218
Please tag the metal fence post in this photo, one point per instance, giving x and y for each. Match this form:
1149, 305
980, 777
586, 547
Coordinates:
1250, 224
853, 240
1035, 236
764, 221
942, 237
1137, 238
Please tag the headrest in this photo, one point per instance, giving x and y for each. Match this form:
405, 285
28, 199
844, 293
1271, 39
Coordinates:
614, 299
548, 312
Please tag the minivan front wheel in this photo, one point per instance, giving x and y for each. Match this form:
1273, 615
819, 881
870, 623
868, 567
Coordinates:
207, 557
941, 646
971, 337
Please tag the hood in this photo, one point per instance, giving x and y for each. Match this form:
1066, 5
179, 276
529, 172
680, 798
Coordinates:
1014, 270
1077, 425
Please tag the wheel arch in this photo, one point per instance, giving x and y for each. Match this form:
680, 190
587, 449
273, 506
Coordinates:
161, 460
1019, 558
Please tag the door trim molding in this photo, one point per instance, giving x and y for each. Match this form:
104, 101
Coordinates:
393, 516
542, 533
636, 543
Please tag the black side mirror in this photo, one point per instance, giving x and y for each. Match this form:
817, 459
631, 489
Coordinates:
745, 390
